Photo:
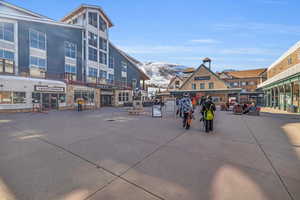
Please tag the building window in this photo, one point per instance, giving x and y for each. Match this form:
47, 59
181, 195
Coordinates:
211, 85
7, 54
87, 96
93, 19
124, 81
290, 61
111, 62
93, 55
70, 50
194, 86
110, 78
70, 69
37, 62
103, 43
7, 31
133, 84
103, 74
93, 39
244, 83
37, 39
102, 24
12, 97
124, 96
124, 66
252, 83
93, 72
74, 21
102, 58
202, 85
235, 84
6, 66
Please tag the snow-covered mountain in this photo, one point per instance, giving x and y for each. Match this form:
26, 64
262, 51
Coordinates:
160, 73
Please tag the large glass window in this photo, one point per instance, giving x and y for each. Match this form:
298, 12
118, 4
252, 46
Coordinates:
93, 55
93, 39
37, 62
202, 85
70, 50
87, 96
110, 78
19, 97
93, 72
12, 97
103, 74
111, 62
7, 54
70, 69
124, 66
37, 39
7, 31
102, 24
102, 43
102, 58
93, 19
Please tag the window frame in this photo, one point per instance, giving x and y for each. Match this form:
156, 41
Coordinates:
202, 84
37, 64
3, 31
93, 39
31, 31
102, 58
94, 56
91, 21
211, 85
69, 50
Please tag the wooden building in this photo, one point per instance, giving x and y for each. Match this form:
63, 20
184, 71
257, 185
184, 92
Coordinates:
204, 82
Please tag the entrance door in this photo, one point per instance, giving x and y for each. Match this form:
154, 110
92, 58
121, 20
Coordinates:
106, 100
54, 101
45, 101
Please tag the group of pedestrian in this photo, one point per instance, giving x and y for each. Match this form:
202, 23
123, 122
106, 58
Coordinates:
186, 109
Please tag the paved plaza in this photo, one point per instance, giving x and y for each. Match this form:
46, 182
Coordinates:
106, 154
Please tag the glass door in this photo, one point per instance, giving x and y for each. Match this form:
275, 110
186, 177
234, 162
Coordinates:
54, 101
45, 101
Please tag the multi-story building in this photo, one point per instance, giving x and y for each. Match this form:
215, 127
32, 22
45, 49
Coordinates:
77, 54
248, 81
282, 88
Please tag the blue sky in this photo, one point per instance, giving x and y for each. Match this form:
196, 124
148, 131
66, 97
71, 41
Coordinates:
236, 34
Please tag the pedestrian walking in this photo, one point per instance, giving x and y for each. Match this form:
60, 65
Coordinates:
186, 108
208, 113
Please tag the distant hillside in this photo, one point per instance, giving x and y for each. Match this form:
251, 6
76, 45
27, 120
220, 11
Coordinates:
161, 73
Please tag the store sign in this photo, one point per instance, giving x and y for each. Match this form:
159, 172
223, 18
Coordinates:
202, 78
156, 111
46, 88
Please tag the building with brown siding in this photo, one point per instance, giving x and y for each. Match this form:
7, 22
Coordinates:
204, 82
282, 88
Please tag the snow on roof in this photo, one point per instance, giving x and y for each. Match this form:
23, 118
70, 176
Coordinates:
20, 78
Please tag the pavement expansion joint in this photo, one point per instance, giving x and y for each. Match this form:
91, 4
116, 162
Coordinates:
268, 159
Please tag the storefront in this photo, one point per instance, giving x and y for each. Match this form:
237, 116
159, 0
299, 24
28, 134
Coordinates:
107, 97
24, 94
90, 96
123, 97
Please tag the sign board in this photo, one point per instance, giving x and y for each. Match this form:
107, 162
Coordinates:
201, 78
156, 111
46, 88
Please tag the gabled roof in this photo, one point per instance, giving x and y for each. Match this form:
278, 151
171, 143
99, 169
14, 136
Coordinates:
23, 10
174, 78
252, 73
189, 70
202, 65
84, 6
132, 60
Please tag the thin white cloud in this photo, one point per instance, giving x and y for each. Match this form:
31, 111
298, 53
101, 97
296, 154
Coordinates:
205, 41
250, 51
255, 27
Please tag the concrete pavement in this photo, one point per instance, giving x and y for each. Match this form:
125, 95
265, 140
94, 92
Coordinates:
109, 155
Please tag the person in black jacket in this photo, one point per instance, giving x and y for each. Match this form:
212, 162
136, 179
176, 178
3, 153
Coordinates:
207, 110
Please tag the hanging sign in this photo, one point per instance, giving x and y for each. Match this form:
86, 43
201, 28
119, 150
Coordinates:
156, 111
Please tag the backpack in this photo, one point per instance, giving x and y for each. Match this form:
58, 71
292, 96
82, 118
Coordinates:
208, 114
